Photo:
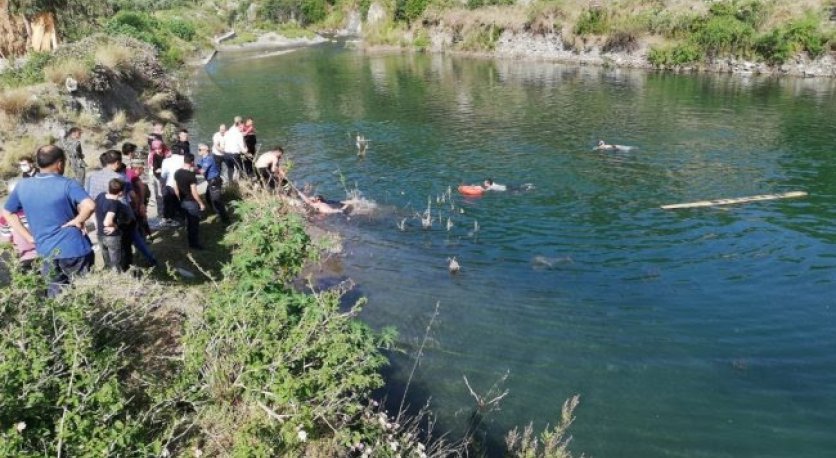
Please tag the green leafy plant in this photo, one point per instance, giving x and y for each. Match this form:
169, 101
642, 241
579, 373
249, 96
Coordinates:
185, 30
141, 26
410, 10
724, 34
784, 42
77, 375
593, 21
31, 72
681, 54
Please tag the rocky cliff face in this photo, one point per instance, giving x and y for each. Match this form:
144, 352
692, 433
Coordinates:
552, 46
12, 32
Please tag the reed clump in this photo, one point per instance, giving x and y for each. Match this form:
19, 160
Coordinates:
58, 71
17, 102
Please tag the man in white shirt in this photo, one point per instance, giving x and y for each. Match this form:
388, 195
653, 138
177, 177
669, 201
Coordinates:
171, 204
233, 147
218, 146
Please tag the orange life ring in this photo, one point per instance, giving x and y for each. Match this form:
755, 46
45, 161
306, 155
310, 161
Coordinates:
471, 190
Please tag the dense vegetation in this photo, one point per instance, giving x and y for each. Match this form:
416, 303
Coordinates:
247, 367
675, 32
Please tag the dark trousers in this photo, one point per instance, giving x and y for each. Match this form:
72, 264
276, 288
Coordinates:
232, 162
250, 143
60, 272
268, 180
192, 213
214, 195
127, 255
247, 165
170, 203
111, 246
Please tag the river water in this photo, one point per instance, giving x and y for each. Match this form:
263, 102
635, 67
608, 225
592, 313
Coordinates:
706, 332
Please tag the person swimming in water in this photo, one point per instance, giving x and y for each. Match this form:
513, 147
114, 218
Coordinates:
489, 185
320, 205
603, 146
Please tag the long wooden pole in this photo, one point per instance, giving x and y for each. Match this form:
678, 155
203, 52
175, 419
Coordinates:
737, 200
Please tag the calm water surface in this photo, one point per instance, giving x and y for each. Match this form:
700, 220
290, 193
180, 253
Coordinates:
706, 332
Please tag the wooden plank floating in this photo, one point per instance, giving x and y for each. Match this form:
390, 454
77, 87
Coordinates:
736, 200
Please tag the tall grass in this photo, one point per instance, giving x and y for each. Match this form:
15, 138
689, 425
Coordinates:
58, 71
113, 56
17, 102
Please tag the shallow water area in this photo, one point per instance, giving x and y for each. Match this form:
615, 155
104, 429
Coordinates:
704, 332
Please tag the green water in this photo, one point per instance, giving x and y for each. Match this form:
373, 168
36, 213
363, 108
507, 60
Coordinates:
706, 332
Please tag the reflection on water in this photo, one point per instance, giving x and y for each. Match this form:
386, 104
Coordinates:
694, 333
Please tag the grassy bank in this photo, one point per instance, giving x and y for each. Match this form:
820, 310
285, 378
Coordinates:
239, 365
666, 32
243, 366
235, 362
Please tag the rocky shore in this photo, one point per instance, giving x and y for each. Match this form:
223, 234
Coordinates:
552, 47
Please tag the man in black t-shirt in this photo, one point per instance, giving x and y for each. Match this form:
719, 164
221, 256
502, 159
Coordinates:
190, 201
181, 145
112, 220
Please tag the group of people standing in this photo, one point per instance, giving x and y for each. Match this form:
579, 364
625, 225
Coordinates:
47, 212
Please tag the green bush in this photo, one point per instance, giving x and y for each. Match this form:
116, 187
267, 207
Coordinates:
31, 72
593, 22
172, 57
784, 42
304, 11
670, 25
724, 34
313, 11
80, 375
680, 54
751, 12
291, 356
364, 8
141, 26
180, 28
410, 10
421, 41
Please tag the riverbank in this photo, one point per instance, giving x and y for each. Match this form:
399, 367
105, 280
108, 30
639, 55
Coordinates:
183, 335
739, 37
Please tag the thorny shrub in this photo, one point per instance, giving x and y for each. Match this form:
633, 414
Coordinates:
120, 366
80, 374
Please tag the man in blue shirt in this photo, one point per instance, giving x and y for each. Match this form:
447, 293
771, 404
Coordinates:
57, 208
212, 172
